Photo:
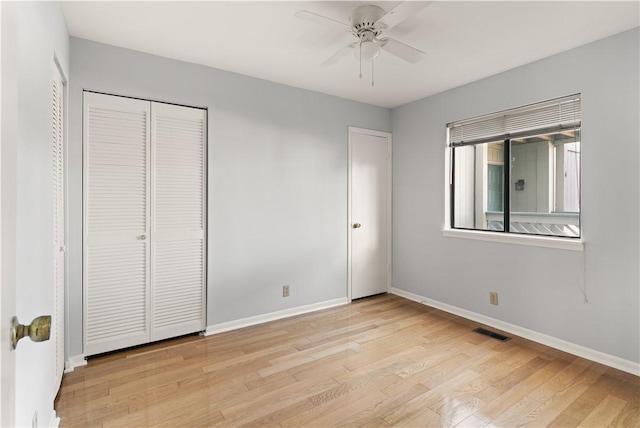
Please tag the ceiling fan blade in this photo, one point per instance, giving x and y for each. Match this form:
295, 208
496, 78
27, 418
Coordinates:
401, 50
319, 19
401, 12
336, 56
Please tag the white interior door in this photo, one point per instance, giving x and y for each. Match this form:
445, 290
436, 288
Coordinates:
178, 220
116, 222
8, 138
369, 212
28, 385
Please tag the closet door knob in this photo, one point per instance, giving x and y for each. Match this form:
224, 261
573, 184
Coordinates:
142, 237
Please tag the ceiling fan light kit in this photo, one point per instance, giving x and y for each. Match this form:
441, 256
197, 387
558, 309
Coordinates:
368, 50
367, 23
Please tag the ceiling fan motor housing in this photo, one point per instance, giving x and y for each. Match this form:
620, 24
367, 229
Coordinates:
364, 18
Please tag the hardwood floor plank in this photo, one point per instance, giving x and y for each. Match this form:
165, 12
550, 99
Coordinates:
519, 374
546, 402
604, 413
434, 399
419, 418
172, 374
383, 376
268, 403
338, 412
378, 362
341, 405
563, 420
372, 416
201, 418
91, 417
520, 391
472, 422
452, 414
629, 416
587, 401
275, 417
560, 401
327, 367
115, 374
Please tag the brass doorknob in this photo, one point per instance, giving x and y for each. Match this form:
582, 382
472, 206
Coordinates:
357, 225
39, 330
142, 237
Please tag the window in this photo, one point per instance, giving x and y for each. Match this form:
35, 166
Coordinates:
518, 171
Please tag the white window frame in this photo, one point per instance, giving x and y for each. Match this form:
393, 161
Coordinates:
572, 244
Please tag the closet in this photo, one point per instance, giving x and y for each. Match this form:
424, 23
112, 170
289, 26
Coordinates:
144, 221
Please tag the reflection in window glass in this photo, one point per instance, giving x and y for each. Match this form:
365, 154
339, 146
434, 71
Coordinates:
479, 186
544, 181
544, 185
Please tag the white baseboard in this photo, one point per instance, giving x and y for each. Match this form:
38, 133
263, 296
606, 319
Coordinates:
73, 362
572, 348
272, 316
54, 420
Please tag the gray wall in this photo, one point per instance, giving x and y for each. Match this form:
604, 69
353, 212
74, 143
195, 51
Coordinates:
42, 36
540, 288
277, 179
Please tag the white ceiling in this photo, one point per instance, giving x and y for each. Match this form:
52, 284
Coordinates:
464, 41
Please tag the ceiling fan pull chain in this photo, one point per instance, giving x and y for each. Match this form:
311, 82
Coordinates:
360, 47
372, 73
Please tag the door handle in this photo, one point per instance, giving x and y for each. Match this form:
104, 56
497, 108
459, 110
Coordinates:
39, 330
142, 237
357, 225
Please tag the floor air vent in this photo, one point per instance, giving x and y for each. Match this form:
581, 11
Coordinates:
492, 334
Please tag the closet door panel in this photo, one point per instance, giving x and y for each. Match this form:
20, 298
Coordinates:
116, 215
116, 297
178, 251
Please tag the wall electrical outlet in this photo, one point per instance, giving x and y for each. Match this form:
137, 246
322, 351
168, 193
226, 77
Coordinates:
493, 298
285, 291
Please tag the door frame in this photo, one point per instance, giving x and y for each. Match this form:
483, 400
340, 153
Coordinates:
62, 311
354, 130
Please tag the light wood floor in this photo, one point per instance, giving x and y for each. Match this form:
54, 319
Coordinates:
380, 361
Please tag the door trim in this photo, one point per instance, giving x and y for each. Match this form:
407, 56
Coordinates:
388, 136
61, 293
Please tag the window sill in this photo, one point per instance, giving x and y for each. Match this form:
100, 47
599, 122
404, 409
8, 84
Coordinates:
529, 240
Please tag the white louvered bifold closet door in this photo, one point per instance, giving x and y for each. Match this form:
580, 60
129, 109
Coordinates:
58, 224
117, 207
178, 220
145, 187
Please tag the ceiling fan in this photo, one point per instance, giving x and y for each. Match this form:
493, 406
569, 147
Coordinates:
367, 24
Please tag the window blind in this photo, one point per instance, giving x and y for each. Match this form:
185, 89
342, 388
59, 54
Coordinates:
541, 118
